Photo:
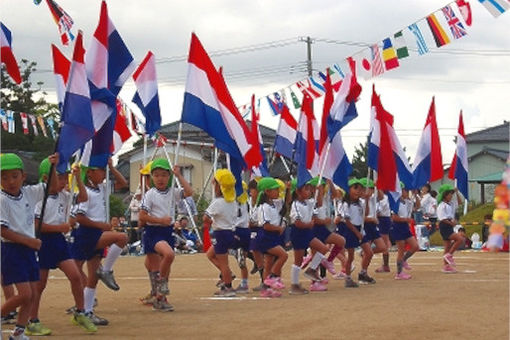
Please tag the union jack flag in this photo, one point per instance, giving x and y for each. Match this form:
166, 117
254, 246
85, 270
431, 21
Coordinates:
458, 30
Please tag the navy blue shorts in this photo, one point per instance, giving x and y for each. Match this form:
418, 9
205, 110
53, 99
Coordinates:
371, 232
385, 225
351, 240
223, 241
154, 234
400, 231
255, 236
321, 232
243, 238
300, 238
19, 264
54, 249
85, 241
269, 240
446, 231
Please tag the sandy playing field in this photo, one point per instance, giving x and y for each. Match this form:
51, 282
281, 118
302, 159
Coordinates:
472, 304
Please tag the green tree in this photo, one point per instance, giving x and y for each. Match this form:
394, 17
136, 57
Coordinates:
117, 207
359, 161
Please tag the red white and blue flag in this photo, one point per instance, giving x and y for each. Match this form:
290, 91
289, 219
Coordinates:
6, 54
286, 133
77, 124
146, 96
459, 168
61, 66
305, 147
428, 163
456, 27
256, 139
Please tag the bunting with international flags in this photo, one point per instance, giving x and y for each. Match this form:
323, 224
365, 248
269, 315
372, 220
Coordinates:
63, 21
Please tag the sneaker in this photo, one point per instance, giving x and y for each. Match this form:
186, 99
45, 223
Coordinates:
37, 328
274, 283
402, 276
449, 259
19, 337
311, 274
297, 290
306, 261
340, 276
80, 319
350, 283
242, 289
10, 318
324, 280
226, 292
383, 269
271, 293
96, 320
329, 266
448, 269
364, 279
162, 285
162, 305
148, 299
406, 266
71, 310
107, 277
318, 287
259, 288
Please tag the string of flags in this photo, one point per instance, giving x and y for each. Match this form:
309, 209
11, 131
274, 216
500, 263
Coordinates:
30, 123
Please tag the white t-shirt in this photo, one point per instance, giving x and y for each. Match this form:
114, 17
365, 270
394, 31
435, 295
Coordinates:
353, 212
269, 213
405, 208
222, 213
17, 212
302, 210
95, 206
445, 211
160, 203
428, 205
371, 206
383, 207
56, 208
254, 215
242, 216
321, 212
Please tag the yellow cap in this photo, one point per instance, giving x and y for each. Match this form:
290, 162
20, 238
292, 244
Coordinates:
227, 183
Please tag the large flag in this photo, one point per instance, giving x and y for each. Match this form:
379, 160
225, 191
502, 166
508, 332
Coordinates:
456, 27
146, 96
286, 133
428, 163
109, 63
61, 66
336, 164
256, 139
437, 30
77, 125
63, 21
495, 7
459, 168
6, 54
121, 131
305, 146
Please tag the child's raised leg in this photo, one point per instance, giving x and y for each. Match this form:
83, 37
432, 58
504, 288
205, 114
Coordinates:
116, 241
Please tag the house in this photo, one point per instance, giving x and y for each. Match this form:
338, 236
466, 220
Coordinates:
196, 155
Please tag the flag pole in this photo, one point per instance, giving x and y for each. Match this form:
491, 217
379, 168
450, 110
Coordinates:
144, 161
321, 172
186, 204
107, 193
215, 167
205, 184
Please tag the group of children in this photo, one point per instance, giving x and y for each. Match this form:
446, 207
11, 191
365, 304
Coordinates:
255, 223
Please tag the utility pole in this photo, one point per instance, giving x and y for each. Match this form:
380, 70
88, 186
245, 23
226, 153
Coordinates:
309, 42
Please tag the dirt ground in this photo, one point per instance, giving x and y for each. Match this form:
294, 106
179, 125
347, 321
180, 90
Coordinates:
472, 304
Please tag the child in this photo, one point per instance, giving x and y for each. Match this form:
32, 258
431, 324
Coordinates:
221, 214
242, 233
158, 209
255, 235
94, 234
19, 245
402, 235
302, 222
270, 242
54, 250
385, 225
446, 217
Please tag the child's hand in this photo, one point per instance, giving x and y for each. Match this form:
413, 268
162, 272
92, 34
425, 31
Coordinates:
176, 170
76, 171
53, 158
167, 220
64, 228
34, 243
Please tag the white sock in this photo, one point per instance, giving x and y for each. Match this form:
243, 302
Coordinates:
88, 295
294, 274
113, 255
316, 260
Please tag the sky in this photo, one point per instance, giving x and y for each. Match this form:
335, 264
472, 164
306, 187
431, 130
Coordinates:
469, 74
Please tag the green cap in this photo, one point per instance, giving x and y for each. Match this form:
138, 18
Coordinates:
44, 168
315, 181
366, 182
293, 185
160, 163
267, 183
443, 189
10, 161
353, 181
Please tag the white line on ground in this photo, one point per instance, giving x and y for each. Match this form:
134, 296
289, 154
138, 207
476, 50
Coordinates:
223, 298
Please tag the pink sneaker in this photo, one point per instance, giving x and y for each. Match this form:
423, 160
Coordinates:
270, 293
447, 269
329, 266
383, 269
279, 279
318, 287
406, 266
324, 281
402, 276
449, 259
306, 261
274, 283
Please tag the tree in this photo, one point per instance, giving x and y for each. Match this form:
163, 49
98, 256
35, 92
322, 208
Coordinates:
29, 98
359, 161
